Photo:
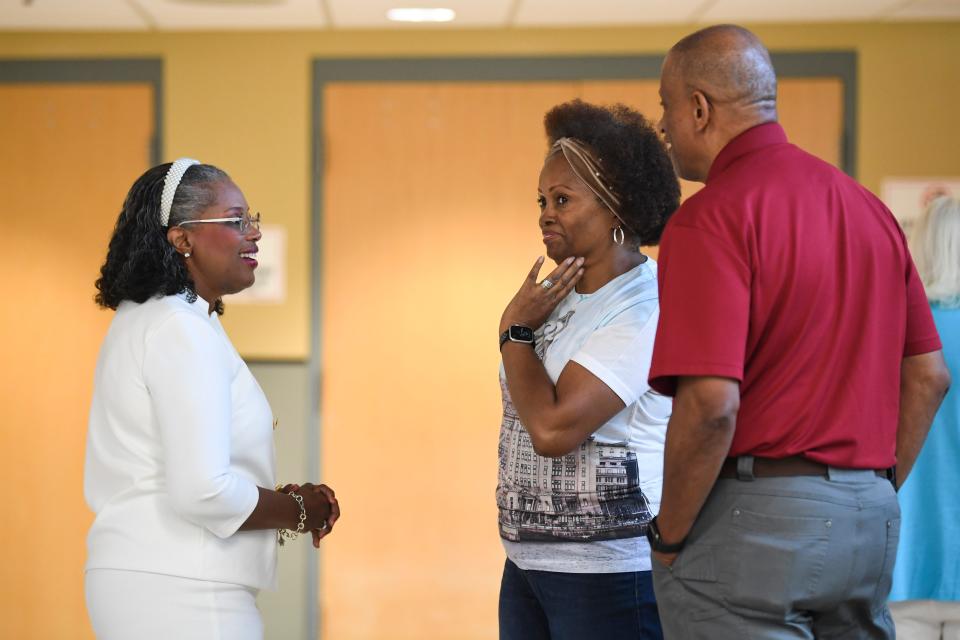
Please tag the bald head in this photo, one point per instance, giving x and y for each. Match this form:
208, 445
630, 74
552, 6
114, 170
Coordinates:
731, 67
715, 84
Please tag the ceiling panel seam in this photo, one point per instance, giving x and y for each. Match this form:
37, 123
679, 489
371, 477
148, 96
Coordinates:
513, 10
144, 15
894, 8
327, 13
701, 10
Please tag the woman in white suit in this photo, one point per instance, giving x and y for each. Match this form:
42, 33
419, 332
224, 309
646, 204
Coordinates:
180, 459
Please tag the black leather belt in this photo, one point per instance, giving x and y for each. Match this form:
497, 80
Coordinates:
782, 467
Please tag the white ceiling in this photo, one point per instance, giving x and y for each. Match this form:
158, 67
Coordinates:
182, 15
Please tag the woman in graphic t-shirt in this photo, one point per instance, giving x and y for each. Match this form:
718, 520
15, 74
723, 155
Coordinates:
581, 441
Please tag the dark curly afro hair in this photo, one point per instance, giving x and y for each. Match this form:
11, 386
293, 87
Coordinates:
634, 160
141, 263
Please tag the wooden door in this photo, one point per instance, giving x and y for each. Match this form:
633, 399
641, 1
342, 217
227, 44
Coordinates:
429, 226
69, 153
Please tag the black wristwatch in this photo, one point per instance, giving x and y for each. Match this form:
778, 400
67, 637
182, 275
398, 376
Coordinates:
517, 333
657, 543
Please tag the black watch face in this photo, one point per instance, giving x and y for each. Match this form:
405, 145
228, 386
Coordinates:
521, 334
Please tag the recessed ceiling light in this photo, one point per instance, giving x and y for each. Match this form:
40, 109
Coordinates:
421, 15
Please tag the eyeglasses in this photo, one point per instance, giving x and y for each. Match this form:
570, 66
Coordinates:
241, 224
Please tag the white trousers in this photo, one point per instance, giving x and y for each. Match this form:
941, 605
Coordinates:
135, 605
926, 619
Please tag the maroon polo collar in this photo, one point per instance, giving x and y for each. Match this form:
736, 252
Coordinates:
762, 135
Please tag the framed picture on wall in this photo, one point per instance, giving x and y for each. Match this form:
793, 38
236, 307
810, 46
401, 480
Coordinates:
271, 283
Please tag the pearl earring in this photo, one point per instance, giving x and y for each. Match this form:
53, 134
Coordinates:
186, 254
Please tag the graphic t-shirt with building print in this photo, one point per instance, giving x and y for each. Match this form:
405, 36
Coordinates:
598, 499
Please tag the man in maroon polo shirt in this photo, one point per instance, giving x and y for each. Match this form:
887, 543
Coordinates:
797, 342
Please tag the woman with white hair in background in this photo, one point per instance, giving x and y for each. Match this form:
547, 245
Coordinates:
925, 599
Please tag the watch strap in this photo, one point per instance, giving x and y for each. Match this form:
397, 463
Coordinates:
657, 543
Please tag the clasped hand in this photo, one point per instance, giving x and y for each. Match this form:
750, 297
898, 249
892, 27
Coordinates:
533, 303
321, 505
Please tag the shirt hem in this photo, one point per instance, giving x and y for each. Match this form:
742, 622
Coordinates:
920, 347
665, 382
265, 583
607, 377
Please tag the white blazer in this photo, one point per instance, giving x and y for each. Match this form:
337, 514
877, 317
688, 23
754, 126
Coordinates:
180, 437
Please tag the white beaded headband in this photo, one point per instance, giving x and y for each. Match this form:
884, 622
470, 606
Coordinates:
170, 184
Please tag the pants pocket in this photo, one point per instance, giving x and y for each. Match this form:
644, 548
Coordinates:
779, 560
695, 570
885, 580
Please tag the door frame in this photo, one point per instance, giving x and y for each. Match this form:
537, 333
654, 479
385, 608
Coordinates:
95, 71
822, 64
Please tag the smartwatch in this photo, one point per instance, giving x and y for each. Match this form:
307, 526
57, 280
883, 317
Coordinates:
517, 333
657, 543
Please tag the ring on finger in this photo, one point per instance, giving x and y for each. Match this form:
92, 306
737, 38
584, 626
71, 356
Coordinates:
547, 283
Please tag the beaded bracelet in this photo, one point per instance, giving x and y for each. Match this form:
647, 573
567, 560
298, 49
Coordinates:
292, 535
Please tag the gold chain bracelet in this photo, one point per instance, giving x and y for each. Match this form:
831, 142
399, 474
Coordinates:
287, 534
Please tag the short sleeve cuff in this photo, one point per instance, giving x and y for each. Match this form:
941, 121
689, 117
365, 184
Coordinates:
664, 381
229, 526
607, 377
919, 347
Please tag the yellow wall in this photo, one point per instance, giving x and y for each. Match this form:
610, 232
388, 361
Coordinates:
242, 100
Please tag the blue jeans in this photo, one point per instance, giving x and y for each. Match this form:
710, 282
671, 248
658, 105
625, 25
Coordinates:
547, 605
